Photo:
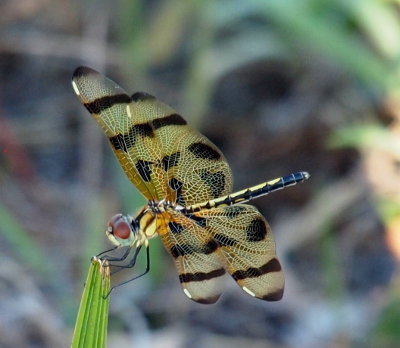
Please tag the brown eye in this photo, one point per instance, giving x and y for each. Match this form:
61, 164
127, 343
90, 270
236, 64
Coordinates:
120, 227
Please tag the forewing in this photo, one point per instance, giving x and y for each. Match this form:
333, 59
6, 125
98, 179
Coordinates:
198, 258
126, 126
159, 152
197, 170
248, 246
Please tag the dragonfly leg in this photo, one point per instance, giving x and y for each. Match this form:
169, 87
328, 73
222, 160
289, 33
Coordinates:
130, 265
111, 258
106, 251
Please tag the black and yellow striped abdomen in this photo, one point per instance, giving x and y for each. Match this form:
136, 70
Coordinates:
250, 193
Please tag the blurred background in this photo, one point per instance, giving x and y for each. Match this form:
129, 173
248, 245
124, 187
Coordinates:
279, 86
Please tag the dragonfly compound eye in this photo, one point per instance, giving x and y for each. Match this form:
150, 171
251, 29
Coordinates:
120, 227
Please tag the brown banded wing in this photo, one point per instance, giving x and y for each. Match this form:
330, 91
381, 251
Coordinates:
198, 258
248, 247
234, 238
161, 155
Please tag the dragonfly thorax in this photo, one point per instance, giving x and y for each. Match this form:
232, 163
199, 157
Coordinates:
158, 207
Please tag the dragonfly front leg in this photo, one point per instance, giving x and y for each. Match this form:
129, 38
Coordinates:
131, 264
112, 258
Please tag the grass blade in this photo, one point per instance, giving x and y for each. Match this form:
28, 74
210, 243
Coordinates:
91, 324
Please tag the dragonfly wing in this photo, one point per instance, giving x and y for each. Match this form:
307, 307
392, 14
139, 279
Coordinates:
197, 256
246, 241
202, 173
162, 156
125, 123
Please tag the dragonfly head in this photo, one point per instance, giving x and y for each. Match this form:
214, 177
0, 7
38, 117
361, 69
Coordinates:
122, 231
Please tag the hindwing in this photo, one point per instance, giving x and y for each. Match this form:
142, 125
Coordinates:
236, 238
198, 258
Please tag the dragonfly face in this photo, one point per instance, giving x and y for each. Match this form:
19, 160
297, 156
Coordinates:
121, 231
188, 183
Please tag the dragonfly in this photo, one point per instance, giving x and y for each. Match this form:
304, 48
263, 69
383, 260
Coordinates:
187, 182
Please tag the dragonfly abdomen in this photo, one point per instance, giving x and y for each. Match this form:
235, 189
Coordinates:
248, 194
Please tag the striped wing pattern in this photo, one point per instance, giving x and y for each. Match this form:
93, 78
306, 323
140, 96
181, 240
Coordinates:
247, 244
234, 238
165, 159
161, 155
198, 258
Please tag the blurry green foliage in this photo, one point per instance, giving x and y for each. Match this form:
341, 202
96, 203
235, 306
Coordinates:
367, 136
359, 36
24, 245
